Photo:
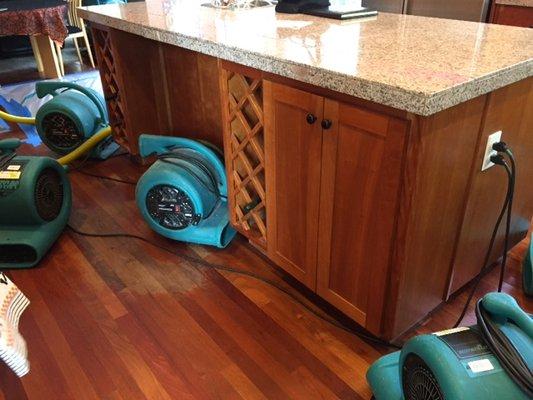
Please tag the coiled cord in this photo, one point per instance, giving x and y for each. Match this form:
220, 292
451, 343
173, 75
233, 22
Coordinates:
504, 350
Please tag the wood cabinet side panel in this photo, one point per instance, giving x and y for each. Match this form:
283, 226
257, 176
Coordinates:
435, 187
138, 64
512, 15
166, 90
508, 110
193, 94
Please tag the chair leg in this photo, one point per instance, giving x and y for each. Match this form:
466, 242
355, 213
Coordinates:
78, 49
60, 58
86, 39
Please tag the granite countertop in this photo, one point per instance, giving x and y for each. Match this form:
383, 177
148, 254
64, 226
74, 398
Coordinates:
417, 64
523, 3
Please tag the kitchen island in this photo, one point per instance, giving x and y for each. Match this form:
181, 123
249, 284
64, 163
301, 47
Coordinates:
353, 149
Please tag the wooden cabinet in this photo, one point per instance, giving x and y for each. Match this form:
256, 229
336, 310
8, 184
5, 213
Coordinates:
367, 210
293, 146
333, 174
512, 15
362, 156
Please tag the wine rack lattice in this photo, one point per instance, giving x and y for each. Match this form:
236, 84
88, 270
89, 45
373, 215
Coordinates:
244, 139
108, 75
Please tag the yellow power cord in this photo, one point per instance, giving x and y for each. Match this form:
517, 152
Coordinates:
19, 120
86, 146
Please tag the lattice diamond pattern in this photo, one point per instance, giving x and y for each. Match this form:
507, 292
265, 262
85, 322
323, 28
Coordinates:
104, 54
247, 156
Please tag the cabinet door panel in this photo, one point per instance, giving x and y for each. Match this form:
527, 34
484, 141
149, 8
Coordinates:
361, 164
292, 154
512, 15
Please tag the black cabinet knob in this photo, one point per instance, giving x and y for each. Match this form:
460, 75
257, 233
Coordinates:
326, 124
311, 119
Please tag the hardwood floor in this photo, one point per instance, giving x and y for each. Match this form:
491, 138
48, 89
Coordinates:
117, 318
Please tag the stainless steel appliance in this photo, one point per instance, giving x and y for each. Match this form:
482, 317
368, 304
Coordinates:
390, 6
469, 10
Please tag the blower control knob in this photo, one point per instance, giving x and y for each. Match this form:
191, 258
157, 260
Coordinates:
311, 118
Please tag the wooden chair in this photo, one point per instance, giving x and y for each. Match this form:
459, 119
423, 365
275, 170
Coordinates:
76, 29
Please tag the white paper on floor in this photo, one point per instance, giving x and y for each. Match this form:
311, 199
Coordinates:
12, 344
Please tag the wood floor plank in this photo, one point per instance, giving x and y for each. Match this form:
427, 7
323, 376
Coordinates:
77, 382
94, 328
191, 351
299, 352
43, 366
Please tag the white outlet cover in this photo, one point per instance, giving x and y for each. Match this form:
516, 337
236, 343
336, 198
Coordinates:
493, 138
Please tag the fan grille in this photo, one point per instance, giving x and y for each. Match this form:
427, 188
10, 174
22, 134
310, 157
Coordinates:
61, 131
170, 207
418, 381
49, 194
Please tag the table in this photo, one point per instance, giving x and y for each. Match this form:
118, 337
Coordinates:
44, 21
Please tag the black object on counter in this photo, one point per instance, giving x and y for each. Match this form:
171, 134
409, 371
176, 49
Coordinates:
342, 12
299, 6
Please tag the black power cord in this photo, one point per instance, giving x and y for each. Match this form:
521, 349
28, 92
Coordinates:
497, 159
502, 147
205, 264
504, 350
507, 354
107, 178
78, 168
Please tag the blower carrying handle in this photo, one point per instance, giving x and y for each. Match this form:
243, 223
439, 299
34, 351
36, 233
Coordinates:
8, 146
50, 88
155, 144
503, 307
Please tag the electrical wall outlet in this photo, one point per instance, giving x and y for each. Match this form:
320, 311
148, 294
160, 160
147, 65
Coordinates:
494, 138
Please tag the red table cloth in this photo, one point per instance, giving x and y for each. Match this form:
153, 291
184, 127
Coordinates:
45, 17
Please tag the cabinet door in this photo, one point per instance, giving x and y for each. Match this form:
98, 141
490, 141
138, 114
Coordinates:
512, 15
293, 147
361, 164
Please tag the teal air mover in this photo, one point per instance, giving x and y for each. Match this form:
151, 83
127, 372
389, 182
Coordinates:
527, 271
72, 116
35, 203
183, 195
461, 363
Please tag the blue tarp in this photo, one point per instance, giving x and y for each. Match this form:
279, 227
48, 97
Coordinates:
99, 2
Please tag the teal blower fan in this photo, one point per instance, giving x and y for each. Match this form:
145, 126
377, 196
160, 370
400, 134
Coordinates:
72, 116
492, 360
183, 195
35, 204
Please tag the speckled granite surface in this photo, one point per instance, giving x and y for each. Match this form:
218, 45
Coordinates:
421, 65
523, 3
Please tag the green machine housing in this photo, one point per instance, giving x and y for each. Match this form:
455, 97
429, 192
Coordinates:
70, 117
456, 364
35, 204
